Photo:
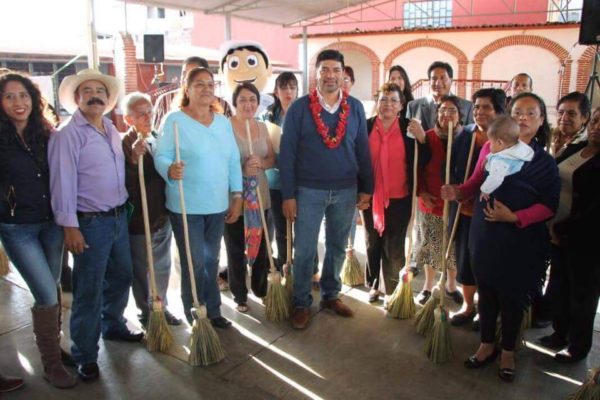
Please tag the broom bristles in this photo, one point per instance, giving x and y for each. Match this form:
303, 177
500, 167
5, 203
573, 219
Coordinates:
4, 263
351, 272
438, 345
205, 345
277, 305
424, 318
590, 389
525, 324
158, 336
402, 304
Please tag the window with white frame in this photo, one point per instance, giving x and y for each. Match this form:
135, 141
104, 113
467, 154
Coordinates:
434, 13
564, 10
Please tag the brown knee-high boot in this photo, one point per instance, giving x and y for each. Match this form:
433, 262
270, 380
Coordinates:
46, 333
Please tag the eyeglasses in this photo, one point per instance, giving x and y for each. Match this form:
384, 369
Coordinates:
448, 110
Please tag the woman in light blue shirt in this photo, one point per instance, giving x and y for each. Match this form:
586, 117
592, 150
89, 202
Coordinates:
211, 174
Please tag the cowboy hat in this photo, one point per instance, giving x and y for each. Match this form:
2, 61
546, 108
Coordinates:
66, 91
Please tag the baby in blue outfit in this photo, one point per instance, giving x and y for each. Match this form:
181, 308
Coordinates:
507, 153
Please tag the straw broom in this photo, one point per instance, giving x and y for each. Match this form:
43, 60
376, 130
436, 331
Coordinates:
288, 281
159, 336
4, 262
438, 346
351, 273
276, 302
402, 303
525, 324
205, 345
590, 389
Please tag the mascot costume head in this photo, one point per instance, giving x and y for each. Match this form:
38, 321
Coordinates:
246, 61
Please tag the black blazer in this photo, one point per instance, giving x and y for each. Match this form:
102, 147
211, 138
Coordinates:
24, 180
409, 148
585, 208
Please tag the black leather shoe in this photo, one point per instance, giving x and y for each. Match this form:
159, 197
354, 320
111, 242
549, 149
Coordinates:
553, 342
171, 319
126, 336
88, 372
473, 362
568, 357
67, 359
220, 322
456, 296
476, 323
540, 323
423, 297
506, 374
462, 318
143, 318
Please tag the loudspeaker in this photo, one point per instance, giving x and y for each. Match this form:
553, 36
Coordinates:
589, 31
154, 48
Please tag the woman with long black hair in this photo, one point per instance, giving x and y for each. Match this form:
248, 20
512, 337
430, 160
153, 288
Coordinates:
33, 242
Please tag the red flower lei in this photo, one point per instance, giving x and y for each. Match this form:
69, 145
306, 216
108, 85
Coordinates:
322, 129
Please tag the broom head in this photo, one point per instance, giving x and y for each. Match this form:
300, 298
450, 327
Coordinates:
205, 345
438, 345
402, 304
590, 389
424, 318
351, 272
4, 263
277, 304
158, 335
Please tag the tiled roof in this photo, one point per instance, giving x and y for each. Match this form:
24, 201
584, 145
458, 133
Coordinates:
400, 29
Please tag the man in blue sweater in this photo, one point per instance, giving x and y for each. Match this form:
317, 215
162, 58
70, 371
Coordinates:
325, 170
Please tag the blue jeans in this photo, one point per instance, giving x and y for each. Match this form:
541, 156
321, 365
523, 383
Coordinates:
36, 252
312, 205
205, 233
161, 253
101, 281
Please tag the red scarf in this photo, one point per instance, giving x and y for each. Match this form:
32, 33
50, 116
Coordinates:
380, 161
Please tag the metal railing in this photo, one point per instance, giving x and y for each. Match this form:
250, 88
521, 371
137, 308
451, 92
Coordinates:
461, 87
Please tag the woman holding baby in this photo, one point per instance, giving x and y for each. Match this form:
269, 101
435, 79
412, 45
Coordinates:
508, 236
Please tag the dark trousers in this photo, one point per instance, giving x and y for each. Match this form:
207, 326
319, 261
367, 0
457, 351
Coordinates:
574, 291
386, 253
464, 274
279, 225
492, 302
236, 263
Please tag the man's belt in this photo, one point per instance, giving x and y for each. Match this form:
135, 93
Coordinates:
113, 212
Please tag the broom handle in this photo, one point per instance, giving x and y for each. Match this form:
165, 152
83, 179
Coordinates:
445, 214
148, 236
186, 236
288, 231
413, 204
457, 217
260, 205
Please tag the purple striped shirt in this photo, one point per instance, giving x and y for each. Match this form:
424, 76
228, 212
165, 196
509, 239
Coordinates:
87, 169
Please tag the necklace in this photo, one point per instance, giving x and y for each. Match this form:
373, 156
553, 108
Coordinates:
322, 129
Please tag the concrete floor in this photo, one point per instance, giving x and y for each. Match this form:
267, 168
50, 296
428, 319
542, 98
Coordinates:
369, 356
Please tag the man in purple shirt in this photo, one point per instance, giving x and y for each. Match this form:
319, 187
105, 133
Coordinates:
87, 187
